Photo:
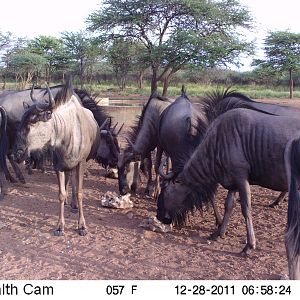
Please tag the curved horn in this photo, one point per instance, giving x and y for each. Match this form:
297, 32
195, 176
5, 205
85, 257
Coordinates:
131, 144
120, 129
104, 124
114, 128
51, 98
34, 100
168, 176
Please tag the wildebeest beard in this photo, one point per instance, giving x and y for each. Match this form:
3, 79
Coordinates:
196, 200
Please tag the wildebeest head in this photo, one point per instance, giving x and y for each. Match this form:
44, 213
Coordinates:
174, 202
128, 171
33, 133
108, 150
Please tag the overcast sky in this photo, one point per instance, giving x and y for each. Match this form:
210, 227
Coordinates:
30, 18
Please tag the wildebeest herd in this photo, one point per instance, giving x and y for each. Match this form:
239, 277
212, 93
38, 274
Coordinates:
226, 139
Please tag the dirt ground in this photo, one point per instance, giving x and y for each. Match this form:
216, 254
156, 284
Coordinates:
117, 248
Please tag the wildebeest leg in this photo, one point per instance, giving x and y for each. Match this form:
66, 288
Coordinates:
229, 204
159, 153
16, 169
74, 202
245, 197
59, 231
148, 166
3, 185
216, 212
278, 199
7, 174
82, 230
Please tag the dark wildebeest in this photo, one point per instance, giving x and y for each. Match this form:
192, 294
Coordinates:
3, 145
108, 150
142, 139
73, 134
183, 124
292, 235
241, 147
15, 104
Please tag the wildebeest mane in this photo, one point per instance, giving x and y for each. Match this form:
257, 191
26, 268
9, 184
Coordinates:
135, 129
88, 102
219, 101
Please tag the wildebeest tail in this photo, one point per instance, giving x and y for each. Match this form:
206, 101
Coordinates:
3, 139
292, 236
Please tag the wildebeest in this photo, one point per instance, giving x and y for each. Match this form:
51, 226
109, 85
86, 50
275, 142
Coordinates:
240, 148
3, 146
17, 102
108, 150
292, 236
71, 131
142, 139
183, 124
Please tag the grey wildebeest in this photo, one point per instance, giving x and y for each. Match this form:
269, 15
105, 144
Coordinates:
142, 139
292, 235
73, 134
183, 124
240, 148
17, 102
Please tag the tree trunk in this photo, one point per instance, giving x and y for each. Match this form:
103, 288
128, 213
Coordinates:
291, 84
4, 82
166, 85
47, 73
154, 79
141, 77
81, 74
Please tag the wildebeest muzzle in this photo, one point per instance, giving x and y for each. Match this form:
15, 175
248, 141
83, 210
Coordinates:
19, 155
161, 214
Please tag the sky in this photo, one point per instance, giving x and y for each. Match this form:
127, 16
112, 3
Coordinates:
31, 18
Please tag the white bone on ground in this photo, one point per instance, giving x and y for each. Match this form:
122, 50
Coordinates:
155, 225
111, 199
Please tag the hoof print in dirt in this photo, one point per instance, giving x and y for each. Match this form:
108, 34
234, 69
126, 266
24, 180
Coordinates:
154, 225
111, 199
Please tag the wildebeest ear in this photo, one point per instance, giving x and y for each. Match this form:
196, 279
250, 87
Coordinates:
188, 125
25, 105
190, 128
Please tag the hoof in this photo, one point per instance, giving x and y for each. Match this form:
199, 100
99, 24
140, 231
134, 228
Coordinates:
22, 180
74, 210
58, 232
82, 231
246, 251
214, 236
12, 180
244, 254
